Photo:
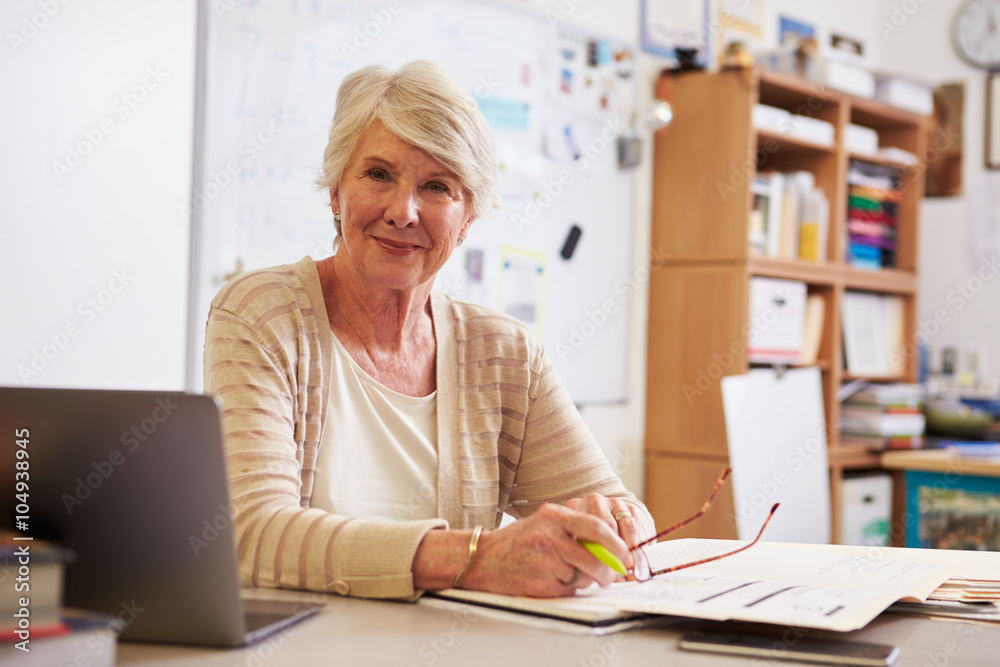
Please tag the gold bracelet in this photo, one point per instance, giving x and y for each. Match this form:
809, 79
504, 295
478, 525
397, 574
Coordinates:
473, 545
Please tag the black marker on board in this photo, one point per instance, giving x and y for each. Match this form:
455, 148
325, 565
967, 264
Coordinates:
570, 245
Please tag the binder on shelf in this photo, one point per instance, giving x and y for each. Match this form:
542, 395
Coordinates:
873, 333
777, 317
789, 217
813, 226
767, 191
812, 334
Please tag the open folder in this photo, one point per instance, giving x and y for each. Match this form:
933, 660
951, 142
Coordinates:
829, 587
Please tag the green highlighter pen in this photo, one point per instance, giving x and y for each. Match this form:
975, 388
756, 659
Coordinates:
602, 554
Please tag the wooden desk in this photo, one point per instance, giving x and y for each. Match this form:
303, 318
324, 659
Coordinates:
365, 632
944, 471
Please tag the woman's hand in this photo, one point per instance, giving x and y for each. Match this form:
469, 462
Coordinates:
540, 556
617, 513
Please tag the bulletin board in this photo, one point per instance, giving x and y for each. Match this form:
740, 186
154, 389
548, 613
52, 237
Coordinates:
557, 255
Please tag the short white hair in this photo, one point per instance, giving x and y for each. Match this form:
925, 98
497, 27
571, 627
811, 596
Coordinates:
422, 105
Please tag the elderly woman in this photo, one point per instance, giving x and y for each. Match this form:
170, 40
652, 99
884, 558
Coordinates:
374, 427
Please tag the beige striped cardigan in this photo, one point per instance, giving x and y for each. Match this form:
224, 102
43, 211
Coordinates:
509, 437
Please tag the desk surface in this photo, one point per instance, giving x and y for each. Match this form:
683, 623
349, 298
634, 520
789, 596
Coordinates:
368, 632
941, 460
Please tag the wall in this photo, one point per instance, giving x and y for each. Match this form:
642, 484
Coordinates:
62, 241
917, 41
97, 123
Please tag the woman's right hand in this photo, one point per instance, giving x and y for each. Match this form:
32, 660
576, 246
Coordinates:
539, 556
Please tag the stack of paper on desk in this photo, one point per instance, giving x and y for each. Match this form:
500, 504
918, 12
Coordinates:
829, 587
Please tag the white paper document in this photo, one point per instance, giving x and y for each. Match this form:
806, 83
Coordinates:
780, 583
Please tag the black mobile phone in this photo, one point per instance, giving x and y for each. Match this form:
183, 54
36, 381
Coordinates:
803, 649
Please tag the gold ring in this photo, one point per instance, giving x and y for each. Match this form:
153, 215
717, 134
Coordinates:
622, 514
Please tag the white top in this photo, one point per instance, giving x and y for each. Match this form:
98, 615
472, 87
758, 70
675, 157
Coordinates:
378, 456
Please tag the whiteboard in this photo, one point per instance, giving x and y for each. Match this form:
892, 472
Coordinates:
555, 98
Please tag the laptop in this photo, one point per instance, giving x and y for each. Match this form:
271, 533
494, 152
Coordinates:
133, 485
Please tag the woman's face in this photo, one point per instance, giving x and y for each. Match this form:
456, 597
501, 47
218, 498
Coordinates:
400, 210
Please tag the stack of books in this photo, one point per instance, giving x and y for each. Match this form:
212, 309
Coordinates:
884, 416
34, 628
790, 216
872, 215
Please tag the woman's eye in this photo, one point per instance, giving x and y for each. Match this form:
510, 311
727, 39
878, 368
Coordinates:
437, 186
378, 174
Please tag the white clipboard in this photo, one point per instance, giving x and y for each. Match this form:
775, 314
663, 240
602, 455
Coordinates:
778, 451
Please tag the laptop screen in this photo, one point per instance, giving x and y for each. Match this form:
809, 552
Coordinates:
132, 484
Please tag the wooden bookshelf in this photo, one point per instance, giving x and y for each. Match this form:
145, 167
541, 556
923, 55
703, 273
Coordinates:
704, 165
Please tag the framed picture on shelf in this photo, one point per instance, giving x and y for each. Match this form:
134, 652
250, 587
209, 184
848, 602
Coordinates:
944, 158
670, 26
993, 120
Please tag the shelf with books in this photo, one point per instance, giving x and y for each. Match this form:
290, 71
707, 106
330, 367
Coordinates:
897, 281
700, 302
820, 273
847, 377
788, 145
893, 163
850, 455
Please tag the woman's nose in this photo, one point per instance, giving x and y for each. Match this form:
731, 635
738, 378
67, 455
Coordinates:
401, 209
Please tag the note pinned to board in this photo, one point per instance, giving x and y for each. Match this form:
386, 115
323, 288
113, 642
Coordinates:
777, 448
522, 286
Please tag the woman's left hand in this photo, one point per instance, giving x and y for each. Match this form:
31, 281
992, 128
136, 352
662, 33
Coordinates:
615, 512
